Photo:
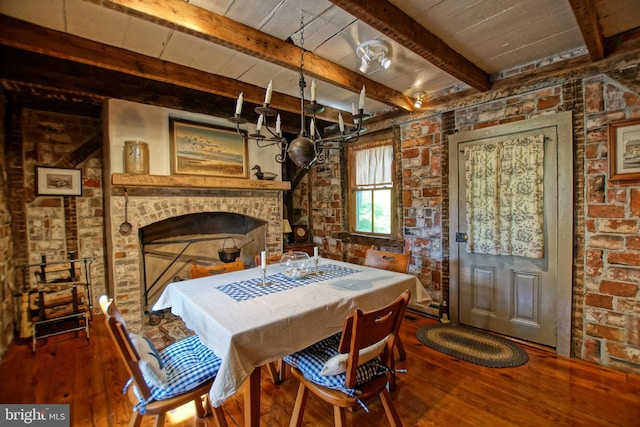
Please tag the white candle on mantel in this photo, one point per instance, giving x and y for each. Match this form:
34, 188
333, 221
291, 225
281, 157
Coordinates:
313, 90
278, 126
315, 252
263, 259
239, 104
267, 96
259, 124
362, 96
353, 109
340, 124
312, 128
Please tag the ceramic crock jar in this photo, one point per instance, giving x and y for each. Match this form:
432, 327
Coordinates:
136, 157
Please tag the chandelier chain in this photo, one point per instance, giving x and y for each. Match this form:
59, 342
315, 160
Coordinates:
301, 83
308, 148
301, 44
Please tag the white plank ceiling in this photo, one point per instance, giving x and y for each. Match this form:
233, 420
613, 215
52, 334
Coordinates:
495, 35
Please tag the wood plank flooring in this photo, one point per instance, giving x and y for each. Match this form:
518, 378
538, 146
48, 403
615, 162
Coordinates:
437, 390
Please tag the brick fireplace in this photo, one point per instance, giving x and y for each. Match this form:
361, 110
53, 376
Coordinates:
147, 206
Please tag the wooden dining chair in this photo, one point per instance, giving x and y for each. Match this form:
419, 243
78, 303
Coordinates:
160, 382
393, 262
197, 271
388, 260
348, 368
272, 259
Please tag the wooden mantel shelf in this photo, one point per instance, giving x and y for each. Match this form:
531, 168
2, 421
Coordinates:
185, 181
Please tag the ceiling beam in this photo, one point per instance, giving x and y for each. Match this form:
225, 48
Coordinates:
33, 38
394, 23
184, 17
587, 17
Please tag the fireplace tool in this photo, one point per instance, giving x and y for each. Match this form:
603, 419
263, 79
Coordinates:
126, 227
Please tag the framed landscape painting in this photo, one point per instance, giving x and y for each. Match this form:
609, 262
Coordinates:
203, 149
58, 181
624, 150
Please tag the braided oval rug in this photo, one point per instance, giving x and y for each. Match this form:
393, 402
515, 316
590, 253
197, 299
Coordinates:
472, 345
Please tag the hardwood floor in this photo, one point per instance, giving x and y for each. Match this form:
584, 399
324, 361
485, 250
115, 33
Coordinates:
437, 390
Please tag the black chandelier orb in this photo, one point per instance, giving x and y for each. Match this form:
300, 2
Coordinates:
303, 152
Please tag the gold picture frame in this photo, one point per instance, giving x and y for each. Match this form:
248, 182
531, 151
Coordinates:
204, 149
624, 150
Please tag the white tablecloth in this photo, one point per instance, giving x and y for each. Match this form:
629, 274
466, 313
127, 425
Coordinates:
250, 333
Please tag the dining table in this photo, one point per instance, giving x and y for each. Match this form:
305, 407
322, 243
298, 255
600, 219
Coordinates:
250, 319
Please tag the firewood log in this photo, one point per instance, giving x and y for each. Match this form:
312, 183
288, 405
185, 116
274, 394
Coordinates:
52, 299
59, 311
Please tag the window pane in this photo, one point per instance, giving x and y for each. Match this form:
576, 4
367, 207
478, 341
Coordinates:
382, 211
364, 211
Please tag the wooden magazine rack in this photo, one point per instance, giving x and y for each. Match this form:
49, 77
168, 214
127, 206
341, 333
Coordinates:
61, 301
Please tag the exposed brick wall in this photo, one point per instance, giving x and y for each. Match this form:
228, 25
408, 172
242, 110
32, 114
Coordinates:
573, 99
7, 277
611, 326
328, 214
422, 174
55, 225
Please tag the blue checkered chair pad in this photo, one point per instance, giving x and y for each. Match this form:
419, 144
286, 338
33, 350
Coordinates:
188, 363
311, 360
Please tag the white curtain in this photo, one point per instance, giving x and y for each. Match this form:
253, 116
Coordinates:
504, 197
374, 165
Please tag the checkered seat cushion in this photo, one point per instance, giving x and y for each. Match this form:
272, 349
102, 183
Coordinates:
187, 364
312, 359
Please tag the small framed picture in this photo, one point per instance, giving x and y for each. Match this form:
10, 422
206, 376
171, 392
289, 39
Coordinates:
203, 149
624, 150
58, 182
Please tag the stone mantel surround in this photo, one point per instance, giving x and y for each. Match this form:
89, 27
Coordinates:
153, 198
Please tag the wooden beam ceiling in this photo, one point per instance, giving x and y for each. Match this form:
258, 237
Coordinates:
32, 38
30, 73
585, 13
394, 23
201, 23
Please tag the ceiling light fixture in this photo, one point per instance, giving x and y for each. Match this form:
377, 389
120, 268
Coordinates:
418, 99
373, 50
307, 148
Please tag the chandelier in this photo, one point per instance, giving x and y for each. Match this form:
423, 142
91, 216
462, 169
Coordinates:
308, 147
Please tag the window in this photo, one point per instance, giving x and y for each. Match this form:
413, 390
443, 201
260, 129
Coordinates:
372, 199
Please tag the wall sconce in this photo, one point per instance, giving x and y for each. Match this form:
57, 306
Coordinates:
373, 50
418, 99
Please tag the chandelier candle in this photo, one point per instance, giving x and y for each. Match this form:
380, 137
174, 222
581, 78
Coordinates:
239, 104
267, 96
362, 96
